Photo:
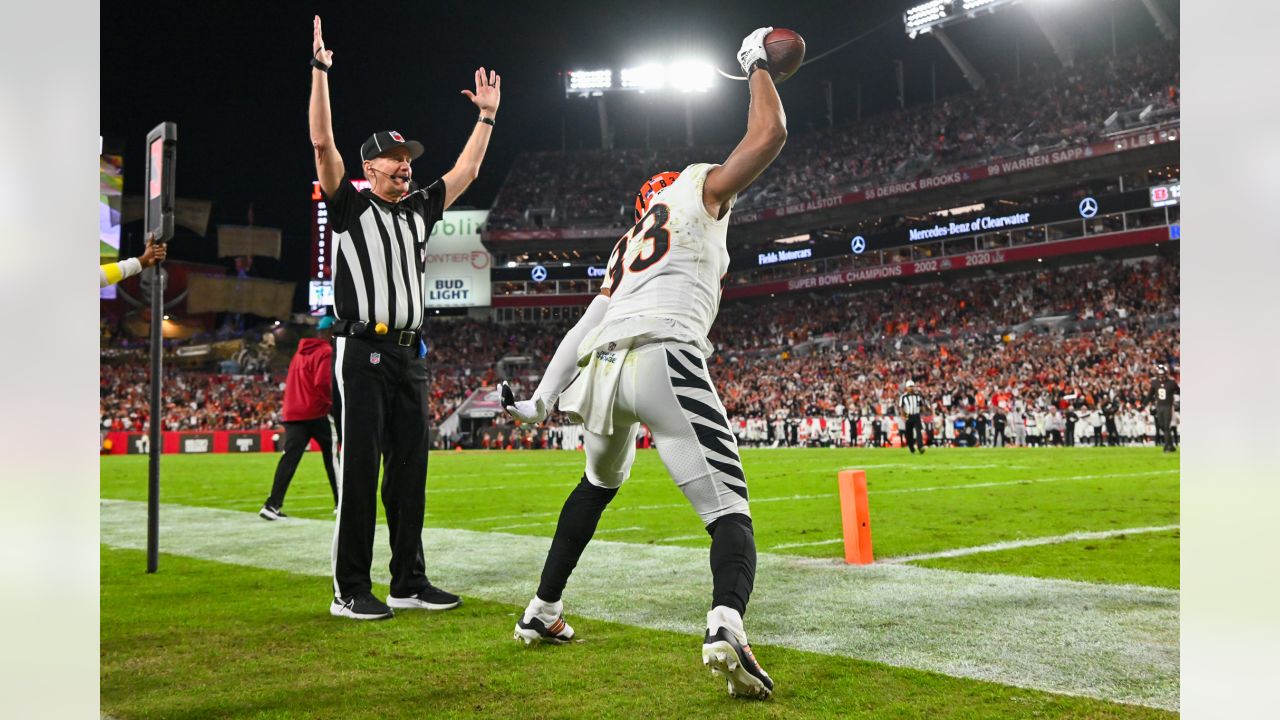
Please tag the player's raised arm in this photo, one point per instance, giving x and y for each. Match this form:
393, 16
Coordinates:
487, 96
329, 168
766, 130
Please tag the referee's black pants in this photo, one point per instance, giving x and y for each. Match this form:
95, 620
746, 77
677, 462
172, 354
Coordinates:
915, 434
1164, 423
380, 398
297, 435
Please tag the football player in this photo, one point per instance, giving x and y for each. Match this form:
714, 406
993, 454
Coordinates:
1164, 394
638, 356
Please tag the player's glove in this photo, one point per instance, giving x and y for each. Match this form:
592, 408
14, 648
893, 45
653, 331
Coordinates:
752, 50
526, 411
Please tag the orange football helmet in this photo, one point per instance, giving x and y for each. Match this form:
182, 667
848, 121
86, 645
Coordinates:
651, 188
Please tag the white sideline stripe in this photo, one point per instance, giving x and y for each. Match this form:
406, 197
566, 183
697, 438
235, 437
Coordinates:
684, 537
807, 544
522, 525
933, 468
1027, 481
666, 506
1029, 542
833, 493
994, 547
1114, 642
618, 530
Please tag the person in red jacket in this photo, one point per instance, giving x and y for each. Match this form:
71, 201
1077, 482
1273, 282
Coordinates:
308, 403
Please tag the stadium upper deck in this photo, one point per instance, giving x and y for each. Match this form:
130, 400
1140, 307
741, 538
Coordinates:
958, 148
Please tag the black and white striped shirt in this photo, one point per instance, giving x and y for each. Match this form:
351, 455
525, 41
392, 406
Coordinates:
910, 403
379, 254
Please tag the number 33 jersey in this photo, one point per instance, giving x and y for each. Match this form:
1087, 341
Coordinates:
664, 275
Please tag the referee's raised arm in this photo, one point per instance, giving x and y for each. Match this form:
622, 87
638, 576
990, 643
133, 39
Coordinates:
329, 168
487, 96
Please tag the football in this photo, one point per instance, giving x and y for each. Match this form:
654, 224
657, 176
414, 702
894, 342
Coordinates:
785, 49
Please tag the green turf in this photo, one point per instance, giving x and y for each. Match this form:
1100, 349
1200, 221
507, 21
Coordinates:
521, 492
206, 640
1144, 559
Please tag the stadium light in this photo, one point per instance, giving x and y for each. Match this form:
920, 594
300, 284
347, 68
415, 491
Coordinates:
682, 76
691, 76
927, 13
940, 13
645, 77
580, 80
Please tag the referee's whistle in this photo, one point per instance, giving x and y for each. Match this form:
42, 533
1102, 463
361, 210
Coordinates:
380, 328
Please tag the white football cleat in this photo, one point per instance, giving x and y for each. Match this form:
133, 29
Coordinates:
543, 622
726, 652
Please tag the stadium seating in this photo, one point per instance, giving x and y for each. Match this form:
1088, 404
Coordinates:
1049, 108
1094, 330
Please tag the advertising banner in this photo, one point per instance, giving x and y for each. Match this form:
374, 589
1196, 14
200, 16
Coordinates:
457, 263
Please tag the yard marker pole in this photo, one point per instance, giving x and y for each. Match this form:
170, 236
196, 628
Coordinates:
157, 213
855, 517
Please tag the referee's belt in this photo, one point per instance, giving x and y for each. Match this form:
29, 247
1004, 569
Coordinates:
369, 331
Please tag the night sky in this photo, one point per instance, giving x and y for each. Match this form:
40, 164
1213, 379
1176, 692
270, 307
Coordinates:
235, 79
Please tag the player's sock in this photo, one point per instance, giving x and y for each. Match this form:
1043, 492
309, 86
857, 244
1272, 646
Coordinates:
578, 520
733, 561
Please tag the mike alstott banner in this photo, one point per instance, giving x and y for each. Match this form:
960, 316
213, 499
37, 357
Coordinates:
224, 293
457, 263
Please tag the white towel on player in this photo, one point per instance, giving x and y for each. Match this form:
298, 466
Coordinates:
589, 398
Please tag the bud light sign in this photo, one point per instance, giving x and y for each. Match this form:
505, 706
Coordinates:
457, 263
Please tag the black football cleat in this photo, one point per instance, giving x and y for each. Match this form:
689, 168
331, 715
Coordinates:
736, 663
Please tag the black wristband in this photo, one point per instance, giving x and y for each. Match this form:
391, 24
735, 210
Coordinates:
759, 65
315, 63
487, 121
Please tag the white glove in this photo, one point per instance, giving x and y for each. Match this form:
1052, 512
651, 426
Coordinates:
753, 49
526, 411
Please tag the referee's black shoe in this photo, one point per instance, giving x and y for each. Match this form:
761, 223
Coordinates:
430, 598
363, 606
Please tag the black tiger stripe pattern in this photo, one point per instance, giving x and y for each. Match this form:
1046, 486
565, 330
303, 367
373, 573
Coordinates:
688, 378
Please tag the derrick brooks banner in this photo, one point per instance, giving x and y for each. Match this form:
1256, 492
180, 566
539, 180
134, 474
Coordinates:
457, 263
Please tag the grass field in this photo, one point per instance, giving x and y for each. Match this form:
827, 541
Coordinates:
1008, 583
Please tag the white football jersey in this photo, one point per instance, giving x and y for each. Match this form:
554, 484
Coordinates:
664, 275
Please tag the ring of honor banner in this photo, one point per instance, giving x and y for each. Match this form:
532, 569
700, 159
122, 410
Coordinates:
457, 263
221, 293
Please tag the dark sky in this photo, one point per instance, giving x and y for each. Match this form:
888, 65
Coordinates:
234, 77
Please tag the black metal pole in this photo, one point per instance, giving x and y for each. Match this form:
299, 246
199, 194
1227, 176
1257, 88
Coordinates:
162, 152
157, 410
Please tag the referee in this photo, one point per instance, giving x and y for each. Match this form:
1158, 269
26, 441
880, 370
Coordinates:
909, 405
379, 367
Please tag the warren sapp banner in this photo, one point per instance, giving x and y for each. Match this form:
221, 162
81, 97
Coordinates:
457, 263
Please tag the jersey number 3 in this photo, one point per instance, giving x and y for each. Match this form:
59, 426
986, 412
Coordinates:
656, 242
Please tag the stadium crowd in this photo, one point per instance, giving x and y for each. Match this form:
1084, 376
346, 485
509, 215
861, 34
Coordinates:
193, 400
1074, 337
1047, 108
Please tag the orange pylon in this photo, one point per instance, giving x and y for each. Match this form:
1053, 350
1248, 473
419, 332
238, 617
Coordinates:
855, 516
